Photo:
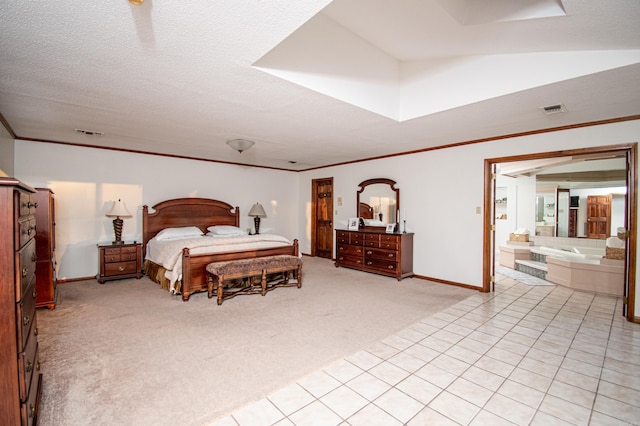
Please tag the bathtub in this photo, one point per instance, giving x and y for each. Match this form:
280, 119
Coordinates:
575, 254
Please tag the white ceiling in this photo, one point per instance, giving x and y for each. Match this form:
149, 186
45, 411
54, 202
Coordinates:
315, 82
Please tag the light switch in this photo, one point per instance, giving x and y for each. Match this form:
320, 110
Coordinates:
339, 201
478, 209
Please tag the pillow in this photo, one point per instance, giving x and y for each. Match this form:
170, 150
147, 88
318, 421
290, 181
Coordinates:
225, 230
177, 233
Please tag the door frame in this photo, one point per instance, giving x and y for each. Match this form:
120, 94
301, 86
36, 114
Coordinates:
631, 198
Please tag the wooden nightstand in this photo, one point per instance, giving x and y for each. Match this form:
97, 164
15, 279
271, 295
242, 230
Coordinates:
119, 261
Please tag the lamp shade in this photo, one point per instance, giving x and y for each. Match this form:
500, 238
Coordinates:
119, 209
257, 211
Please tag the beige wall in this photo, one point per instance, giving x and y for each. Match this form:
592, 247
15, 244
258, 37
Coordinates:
86, 181
440, 191
6, 152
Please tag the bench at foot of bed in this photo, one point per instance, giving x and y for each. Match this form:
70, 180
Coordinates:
219, 274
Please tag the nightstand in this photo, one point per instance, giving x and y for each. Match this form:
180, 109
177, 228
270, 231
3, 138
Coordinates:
119, 261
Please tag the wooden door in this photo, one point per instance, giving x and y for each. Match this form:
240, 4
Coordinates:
322, 218
599, 216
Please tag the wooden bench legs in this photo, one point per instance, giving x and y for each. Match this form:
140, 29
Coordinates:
220, 273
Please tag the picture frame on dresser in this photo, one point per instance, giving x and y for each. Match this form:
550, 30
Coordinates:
391, 228
353, 224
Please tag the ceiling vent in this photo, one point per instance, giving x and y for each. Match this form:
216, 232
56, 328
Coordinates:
554, 109
89, 132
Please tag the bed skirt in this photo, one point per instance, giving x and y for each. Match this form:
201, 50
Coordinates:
156, 273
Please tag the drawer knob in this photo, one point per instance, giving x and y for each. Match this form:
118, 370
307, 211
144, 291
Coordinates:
390, 254
369, 263
121, 268
390, 266
369, 252
112, 259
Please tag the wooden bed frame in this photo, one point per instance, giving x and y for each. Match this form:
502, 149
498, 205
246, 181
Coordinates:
200, 212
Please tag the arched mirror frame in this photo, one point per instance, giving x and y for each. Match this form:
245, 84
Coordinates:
363, 185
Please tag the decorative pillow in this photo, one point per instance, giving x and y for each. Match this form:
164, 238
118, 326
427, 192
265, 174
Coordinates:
177, 233
225, 230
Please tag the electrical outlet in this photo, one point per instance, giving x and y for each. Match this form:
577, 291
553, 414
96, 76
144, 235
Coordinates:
478, 209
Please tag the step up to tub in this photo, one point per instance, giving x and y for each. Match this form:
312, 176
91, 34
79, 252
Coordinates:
532, 267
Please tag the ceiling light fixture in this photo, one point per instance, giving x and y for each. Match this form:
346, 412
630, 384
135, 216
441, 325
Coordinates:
136, 2
240, 144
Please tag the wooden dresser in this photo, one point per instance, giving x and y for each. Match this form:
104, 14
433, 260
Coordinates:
375, 251
20, 377
45, 248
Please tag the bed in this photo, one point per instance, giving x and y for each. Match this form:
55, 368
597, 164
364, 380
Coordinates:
188, 274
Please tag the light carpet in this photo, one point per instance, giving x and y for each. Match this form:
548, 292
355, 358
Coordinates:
129, 353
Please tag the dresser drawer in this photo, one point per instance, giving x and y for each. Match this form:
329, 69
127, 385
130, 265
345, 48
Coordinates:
27, 365
120, 268
381, 265
26, 269
345, 249
346, 260
26, 230
372, 240
27, 204
381, 254
26, 315
389, 241
29, 409
120, 254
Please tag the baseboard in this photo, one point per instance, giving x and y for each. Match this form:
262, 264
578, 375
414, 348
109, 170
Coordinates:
71, 280
453, 283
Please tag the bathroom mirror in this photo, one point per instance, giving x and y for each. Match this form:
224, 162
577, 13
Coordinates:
378, 202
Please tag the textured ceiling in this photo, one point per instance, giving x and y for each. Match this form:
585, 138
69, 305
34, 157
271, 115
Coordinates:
313, 82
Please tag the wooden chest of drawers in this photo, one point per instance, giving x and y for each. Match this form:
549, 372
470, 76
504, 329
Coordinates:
119, 261
375, 251
20, 377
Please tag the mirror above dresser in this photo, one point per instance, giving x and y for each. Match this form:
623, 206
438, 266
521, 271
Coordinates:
378, 202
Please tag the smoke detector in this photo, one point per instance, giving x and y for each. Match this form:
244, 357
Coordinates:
89, 132
554, 109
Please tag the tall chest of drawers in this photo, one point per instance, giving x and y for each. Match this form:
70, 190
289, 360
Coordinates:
46, 248
375, 251
20, 377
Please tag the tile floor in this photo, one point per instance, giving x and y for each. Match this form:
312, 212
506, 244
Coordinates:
523, 355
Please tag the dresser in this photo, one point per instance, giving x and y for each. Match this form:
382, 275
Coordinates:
45, 248
119, 261
375, 251
20, 377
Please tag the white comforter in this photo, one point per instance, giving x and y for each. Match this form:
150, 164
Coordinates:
169, 253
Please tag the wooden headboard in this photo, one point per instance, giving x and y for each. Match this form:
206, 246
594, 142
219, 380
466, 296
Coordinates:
365, 211
179, 212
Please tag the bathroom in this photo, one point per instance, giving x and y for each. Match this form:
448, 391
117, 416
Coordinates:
570, 207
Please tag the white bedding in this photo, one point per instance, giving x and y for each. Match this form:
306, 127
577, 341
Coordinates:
168, 253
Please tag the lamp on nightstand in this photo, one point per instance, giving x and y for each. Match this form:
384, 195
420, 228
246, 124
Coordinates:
257, 211
118, 210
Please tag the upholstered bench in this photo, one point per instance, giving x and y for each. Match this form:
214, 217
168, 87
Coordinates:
219, 273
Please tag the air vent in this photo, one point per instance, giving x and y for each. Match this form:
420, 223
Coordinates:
89, 132
554, 109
